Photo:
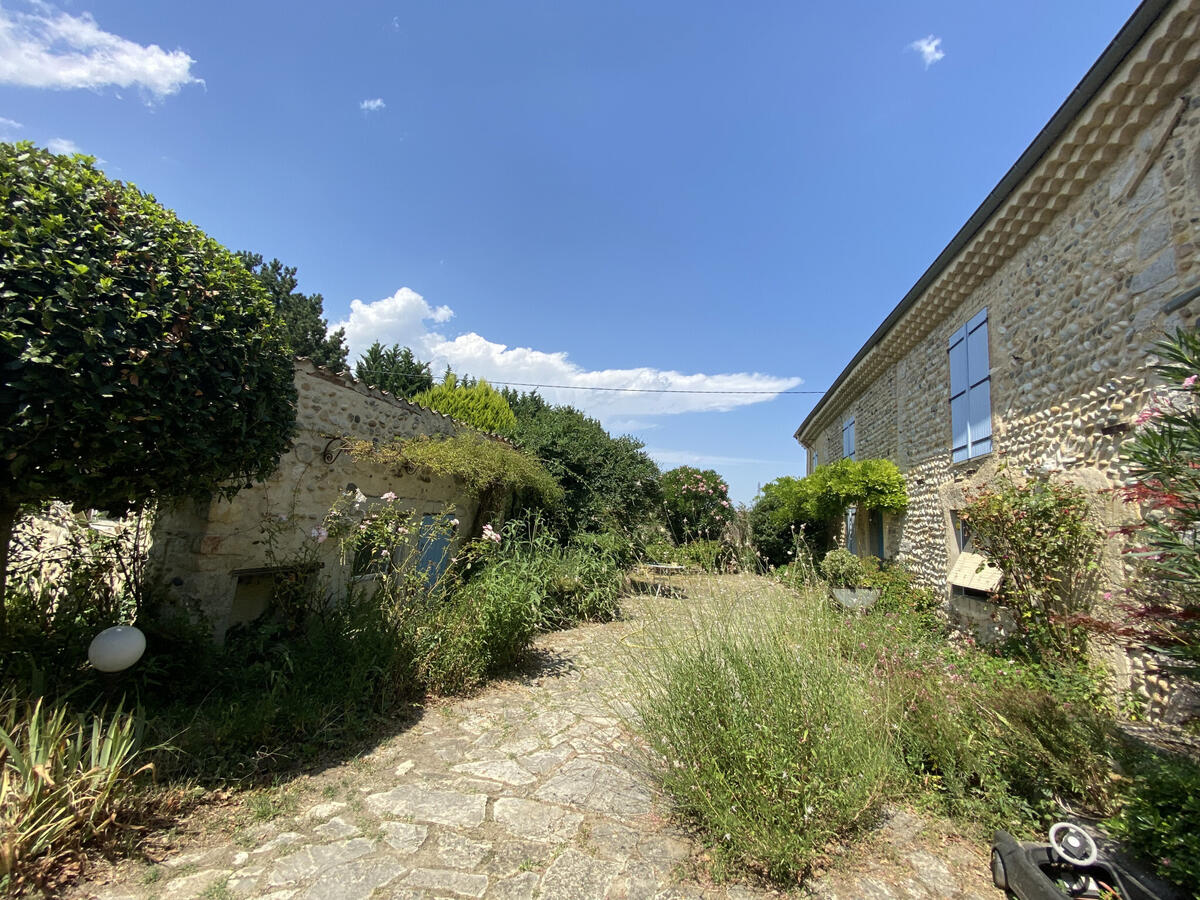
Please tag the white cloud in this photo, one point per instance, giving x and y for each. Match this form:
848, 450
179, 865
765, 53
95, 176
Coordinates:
62, 145
629, 426
372, 105
49, 49
930, 49
403, 319
9, 124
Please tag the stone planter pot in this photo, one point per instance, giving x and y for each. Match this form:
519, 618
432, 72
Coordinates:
855, 598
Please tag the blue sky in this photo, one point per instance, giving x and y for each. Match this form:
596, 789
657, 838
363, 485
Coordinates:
706, 196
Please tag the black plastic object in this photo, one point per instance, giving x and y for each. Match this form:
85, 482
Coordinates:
1039, 872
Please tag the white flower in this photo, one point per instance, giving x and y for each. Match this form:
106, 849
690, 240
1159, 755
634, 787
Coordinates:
389, 496
320, 534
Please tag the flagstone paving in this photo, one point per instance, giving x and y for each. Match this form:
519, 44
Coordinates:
534, 788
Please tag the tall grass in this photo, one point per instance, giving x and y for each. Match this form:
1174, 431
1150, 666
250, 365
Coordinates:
768, 737
66, 780
780, 726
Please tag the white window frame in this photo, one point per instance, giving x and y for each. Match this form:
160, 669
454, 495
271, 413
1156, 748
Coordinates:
970, 390
848, 432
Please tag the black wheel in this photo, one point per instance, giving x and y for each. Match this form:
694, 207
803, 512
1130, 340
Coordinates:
999, 877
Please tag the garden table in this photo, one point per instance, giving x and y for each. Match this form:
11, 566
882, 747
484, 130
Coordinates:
666, 570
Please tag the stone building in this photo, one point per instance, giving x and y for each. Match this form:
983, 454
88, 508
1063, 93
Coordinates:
1028, 343
224, 557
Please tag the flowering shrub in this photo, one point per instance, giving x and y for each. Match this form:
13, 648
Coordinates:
696, 502
1164, 458
1040, 536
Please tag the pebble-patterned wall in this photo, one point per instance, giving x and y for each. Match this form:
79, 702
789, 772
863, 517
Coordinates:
1073, 316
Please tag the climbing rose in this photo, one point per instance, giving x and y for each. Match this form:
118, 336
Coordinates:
320, 534
389, 497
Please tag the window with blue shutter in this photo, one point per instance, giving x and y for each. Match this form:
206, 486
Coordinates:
970, 390
848, 439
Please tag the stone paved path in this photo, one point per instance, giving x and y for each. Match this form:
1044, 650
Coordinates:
532, 789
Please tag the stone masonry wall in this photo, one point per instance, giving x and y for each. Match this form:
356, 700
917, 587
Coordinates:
197, 548
1072, 320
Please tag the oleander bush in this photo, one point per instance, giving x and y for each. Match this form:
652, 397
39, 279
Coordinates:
696, 502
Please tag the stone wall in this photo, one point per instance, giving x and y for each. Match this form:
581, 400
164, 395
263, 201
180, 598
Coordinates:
1072, 320
203, 551
1092, 259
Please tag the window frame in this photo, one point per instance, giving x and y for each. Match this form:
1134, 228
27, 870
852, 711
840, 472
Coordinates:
848, 427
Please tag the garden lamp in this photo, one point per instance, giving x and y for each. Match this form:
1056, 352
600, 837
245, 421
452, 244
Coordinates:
116, 649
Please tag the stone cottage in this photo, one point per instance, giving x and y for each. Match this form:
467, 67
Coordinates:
215, 556
1028, 342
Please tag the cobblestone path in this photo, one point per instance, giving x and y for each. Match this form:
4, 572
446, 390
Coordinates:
534, 788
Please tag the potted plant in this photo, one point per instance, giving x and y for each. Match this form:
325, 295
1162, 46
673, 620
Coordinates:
847, 578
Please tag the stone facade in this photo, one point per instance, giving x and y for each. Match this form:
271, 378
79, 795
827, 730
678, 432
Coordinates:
1082, 264
213, 556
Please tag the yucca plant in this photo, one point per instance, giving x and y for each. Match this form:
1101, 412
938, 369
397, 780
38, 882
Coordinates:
65, 777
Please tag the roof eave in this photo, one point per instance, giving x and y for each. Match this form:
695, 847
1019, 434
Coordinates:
1097, 76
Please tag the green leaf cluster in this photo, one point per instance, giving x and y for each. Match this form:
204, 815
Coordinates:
609, 482
484, 465
138, 357
821, 498
478, 405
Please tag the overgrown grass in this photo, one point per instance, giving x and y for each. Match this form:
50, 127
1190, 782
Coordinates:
782, 725
773, 749
313, 678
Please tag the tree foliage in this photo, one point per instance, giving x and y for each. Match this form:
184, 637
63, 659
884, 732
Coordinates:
811, 505
307, 331
696, 502
610, 483
394, 369
139, 358
479, 405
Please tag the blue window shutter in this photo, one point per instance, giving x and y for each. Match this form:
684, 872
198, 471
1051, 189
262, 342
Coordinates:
848, 440
970, 390
960, 443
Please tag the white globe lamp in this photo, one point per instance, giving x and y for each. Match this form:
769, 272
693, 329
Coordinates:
116, 649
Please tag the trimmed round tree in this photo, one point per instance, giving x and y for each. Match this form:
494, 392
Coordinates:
138, 358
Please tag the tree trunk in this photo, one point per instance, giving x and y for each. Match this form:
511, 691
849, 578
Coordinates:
8, 516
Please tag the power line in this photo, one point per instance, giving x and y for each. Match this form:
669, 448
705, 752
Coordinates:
584, 387
580, 387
